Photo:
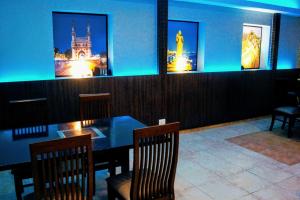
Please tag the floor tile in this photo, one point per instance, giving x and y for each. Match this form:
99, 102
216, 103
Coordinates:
292, 185
248, 197
192, 194
222, 190
274, 193
248, 181
271, 174
197, 175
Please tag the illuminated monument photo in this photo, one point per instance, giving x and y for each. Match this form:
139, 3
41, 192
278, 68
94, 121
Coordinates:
80, 45
251, 47
182, 46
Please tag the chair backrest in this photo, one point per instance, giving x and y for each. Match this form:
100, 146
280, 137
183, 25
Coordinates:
155, 162
29, 118
94, 106
63, 169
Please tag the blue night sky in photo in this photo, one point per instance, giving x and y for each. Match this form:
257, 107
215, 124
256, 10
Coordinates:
189, 31
62, 30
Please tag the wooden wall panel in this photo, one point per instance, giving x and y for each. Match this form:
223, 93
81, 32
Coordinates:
195, 99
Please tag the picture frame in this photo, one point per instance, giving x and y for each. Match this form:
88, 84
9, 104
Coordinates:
80, 44
251, 47
182, 46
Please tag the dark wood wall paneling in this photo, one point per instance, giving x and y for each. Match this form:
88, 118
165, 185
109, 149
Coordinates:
193, 99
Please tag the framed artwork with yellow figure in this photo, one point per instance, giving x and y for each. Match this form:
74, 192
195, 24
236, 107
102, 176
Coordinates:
182, 46
251, 47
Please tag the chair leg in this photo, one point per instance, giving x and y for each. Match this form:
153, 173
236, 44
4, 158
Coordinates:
112, 168
94, 184
291, 124
284, 122
110, 193
18, 187
272, 122
125, 161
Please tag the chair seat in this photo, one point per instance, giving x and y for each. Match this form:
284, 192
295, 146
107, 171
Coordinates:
121, 183
288, 110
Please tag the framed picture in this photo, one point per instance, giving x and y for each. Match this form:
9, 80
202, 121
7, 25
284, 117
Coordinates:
251, 47
182, 46
80, 44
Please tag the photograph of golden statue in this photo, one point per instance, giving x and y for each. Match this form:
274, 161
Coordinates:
179, 42
179, 62
251, 47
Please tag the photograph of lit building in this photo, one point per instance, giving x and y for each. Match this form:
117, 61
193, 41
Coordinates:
80, 44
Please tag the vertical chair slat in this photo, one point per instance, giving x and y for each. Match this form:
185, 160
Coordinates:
83, 170
162, 164
175, 160
49, 175
66, 162
72, 173
60, 174
140, 169
77, 174
55, 175
156, 182
44, 174
149, 169
167, 160
144, 189
170, 162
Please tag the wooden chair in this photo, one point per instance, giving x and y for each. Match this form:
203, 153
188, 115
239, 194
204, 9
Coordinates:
288, 112
154, 166
29, 118
94, 106
63, 168
97, 106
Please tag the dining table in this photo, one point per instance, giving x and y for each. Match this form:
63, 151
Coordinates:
111, 137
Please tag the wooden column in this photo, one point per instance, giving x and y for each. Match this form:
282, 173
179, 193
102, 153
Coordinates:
275, 40
162, 34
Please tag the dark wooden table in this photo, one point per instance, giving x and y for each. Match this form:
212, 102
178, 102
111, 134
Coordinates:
118, 132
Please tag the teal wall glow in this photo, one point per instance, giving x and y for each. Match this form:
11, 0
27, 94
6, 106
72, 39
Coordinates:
283, 3
289, 42
290, 7
223, 29
26, 49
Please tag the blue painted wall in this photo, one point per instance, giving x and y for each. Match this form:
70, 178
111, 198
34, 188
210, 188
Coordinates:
222, 29
289, 42
26, 50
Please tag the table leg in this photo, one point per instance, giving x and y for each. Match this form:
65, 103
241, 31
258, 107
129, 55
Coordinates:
291, 124
18, 187
125, 161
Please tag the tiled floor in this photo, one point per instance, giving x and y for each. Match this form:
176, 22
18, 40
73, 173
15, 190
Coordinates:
210, 168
